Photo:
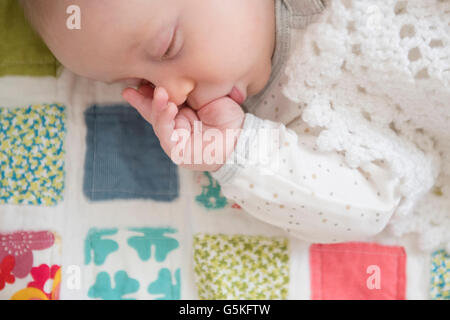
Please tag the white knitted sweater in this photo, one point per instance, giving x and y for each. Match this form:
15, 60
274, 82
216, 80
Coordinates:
375, 76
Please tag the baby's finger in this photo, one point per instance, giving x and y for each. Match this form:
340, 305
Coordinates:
160, 103
189, 115
141, 103
165, 126
182, 123
220, 112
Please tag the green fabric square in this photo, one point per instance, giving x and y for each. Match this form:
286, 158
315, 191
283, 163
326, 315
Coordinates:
22, 52
241, 267
440, 275
32, 154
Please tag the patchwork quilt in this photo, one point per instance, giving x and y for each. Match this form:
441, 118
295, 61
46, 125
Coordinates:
92, 208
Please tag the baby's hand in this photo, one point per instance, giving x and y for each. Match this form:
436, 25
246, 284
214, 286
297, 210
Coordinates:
186, 135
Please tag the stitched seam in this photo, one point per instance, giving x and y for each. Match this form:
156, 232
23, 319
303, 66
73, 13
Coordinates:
317, 6
361, 252
397, 272
129, 192
94, 151
321, 276
307, 15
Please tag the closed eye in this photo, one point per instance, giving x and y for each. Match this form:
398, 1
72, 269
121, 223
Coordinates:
172, 46
168, 51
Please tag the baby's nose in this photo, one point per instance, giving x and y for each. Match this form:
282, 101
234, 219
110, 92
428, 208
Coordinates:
179, 90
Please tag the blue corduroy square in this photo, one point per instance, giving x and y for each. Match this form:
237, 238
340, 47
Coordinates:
124, 159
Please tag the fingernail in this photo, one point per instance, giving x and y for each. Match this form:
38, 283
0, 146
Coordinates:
125, 94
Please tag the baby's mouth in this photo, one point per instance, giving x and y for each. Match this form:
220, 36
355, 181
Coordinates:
237, 96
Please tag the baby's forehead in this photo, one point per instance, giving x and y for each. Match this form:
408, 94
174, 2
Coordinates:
102, 13
50, 16
43, 13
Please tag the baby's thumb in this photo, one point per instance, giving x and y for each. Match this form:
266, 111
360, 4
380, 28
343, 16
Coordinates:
138, 101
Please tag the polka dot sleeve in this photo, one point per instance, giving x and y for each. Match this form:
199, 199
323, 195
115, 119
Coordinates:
278, 176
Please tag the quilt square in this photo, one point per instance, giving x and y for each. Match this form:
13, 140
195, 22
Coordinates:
241, 267
32, 154
30, 266
22, 52
440, 275
124, 159
133, 263
209, 193
357, 271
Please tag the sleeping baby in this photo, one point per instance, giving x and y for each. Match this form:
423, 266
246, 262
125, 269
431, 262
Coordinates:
225, 66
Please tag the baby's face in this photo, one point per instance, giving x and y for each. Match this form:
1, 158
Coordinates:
214, 45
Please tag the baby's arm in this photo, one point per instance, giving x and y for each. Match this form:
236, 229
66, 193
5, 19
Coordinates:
312, 194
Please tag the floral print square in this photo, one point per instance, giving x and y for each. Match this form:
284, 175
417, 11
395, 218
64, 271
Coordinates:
440, 275
32, 154
241, 267
30, 265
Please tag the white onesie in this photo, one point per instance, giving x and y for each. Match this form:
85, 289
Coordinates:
313, 195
